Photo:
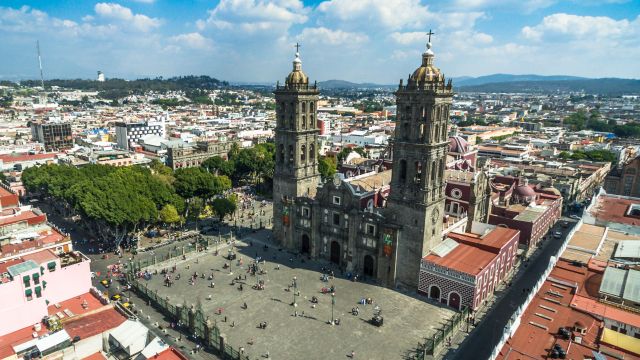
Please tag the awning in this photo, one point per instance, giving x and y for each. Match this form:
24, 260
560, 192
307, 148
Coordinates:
621, 341
26, 279
36, 276
28, 292
51, 265
38, 291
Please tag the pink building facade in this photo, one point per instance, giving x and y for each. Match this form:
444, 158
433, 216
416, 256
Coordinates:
36, 283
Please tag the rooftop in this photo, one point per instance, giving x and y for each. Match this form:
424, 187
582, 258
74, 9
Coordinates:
88, 325
373, 181
464, 258
612, 208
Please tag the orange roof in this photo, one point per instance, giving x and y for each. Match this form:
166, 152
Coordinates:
614, 209
28, 215
170, 354
602, 310
464, 258
94, 323
10, 158
75, 304
496, 239
96, 356
16, 338
41, 257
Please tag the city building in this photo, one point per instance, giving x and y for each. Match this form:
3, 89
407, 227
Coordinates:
465, 269
128, 134
624, 179
54, 135
398, 215
517, 205
185, 155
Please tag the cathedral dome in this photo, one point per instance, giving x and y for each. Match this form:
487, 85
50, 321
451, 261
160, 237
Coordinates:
297, 77
427, 72
459, 145
524, 191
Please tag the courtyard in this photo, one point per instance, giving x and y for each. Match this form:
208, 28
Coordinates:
303, 331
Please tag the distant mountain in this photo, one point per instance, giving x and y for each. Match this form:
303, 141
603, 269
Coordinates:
605, 86
505, 78
343, 84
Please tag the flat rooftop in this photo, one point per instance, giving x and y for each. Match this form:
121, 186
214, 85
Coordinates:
373, 181
613, 208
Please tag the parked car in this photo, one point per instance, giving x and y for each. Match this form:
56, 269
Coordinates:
576, 217
557, 234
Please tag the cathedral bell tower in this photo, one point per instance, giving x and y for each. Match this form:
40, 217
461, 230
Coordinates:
416, 202
296, 136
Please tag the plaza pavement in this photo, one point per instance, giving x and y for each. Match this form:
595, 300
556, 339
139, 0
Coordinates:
407, 320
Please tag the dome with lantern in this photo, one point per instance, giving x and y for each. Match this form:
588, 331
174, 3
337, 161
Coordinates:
297, 78
427, 72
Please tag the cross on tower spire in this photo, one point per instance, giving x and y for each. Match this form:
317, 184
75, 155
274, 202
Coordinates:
429, 34
297, 46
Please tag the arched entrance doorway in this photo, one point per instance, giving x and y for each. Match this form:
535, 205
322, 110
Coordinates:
368, 265
434, 292
454, 300
335, 252
306, 244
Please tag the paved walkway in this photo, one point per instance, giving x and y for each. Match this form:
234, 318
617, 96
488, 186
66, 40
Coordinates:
407, 319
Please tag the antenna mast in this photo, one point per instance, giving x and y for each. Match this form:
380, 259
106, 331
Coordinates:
40, 63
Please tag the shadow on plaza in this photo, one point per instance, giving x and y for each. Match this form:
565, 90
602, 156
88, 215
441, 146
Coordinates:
260, 243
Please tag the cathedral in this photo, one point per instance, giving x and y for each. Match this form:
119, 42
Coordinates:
381, 223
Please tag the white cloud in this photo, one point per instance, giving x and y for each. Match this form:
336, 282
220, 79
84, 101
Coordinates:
119, 12
192, 40
390, 14
251, 16
582, 27
332, 37
145, 1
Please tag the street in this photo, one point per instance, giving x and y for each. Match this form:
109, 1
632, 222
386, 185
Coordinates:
481, 341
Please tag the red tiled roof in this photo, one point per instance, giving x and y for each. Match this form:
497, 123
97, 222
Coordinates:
170, 354
496, 239
599, 309
464, 258
96, 356
614, 209
10, 158
16, 338
28, 216
75, 305
41, 257
94, 323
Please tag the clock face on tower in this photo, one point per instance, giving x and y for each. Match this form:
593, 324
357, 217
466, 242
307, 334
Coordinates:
434, 216
336, 180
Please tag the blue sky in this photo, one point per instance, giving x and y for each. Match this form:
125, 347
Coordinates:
357, 40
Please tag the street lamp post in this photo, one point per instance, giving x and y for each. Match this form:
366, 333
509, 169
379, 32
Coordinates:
295, 290
333, 302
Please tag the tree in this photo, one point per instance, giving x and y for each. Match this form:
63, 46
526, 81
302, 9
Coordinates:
197, 182
224, 206
169, 215
327, 167
219, 166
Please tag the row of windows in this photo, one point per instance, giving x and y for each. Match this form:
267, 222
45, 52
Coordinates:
304, 107
303, 153
418, 170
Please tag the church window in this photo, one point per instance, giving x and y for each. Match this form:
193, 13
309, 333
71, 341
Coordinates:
304, 122
290, 154
405, 131
336, 200
421, 138
281, 153
336, 219
292, 124
443, 136
303, 153
311, 123
312, 151
403, 170
306, 212
417, 172
371, 229
303, 107
311, 106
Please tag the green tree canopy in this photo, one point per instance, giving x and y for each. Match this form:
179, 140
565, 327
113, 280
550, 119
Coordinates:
225, 206
327, 167
197, 182
169, 215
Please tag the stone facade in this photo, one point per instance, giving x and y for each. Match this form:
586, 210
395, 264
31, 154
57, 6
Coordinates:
188, 156
358, 222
